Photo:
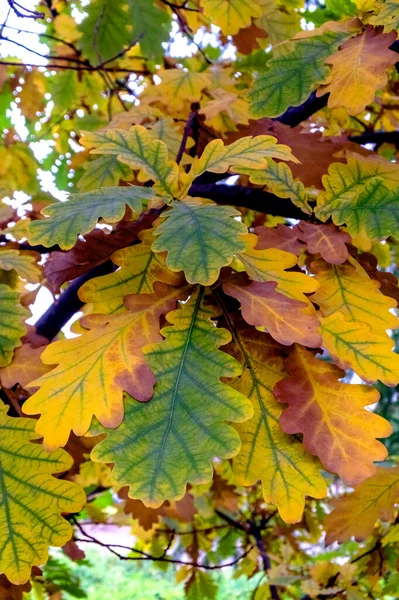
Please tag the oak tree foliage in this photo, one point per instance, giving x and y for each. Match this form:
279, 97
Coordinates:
224, 212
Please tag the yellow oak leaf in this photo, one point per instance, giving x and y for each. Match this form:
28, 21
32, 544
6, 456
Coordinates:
231, 15
359, 70
32, 500
331, 416
286, 319
182, 85
281, 24
355, 514
348, 289
94, 369
353, 345
139, 268
271, 265
225, 111
288, 473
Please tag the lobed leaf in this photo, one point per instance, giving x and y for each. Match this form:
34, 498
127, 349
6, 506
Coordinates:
356, 514
32, 501
286, 319
285, 469
140, 268
140, 151
188, 236
79, 215
353, 345
163, 445
94, 369
330, 414
326, 240
12, 328
231, 15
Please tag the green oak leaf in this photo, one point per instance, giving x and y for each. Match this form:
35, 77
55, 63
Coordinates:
373, 211
81, 212
104, 31
193, 244
31, 499
151, 24
162, 445
291, 77
104, 171
12, 328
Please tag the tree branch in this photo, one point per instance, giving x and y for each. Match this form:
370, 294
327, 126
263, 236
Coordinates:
376, 137
62, 309
252, 198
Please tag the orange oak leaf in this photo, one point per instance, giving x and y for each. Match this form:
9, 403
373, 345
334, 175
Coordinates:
355, 514
25, 367
94, 369
359, 70
331, 416
326, 240
282, 237
286, 319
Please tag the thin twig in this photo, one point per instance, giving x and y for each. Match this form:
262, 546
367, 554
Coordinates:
187, 130
29, 14
73, 67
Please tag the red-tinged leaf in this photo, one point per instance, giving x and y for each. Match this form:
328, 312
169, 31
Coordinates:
331, 416
282, 237
355, 514
326, 240
25, 367
388, 282
286, 319
94, 250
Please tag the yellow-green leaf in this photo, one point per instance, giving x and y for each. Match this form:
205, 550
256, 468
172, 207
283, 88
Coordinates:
23, 263
188, 236
94, 369
139, 268
32, 501
287, 472
170, 441
140, 151
353, 345
12, 328
79, 215
231, 15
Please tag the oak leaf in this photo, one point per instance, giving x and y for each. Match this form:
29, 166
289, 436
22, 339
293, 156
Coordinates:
24, 368
109, 353
271, 265
164, 444
286, 319
282, 237
182, 84
326, 240
79, 215
231, 15
140, 268
291, 77
330, 414
353, 345
285, 469
32, 500
140, 151
24, 263
187, 235
355, 514
348, 289
358, 70
12, 327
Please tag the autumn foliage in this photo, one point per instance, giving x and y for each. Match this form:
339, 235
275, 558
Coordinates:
225, 215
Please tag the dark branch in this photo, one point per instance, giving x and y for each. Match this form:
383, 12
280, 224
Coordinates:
27, 13
59, 313
78, 67
187, 130
294, 115
376, 137
252, 198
